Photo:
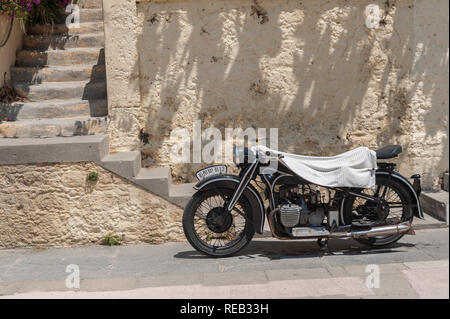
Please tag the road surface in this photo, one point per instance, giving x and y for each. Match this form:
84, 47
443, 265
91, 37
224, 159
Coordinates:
415, 267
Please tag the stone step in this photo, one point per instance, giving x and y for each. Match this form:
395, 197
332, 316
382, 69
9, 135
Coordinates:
62, 41
87, 27
62, 90
69, 57
89, 3
88, 15
155, 180
93, 148
445, 182
125, 164
428, 222
45, 128
53, 109
36, 75
53, 150
180, 194
436, 204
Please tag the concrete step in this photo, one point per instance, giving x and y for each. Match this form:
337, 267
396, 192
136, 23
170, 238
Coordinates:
89, 3
445, 182
88, 14
37, 75
155, 180
87, 27
82, 90
61, 41
53, 109
69, 57
53, 150
125, 164
45, 128
429, 222
180, 194
92, 148
436, 204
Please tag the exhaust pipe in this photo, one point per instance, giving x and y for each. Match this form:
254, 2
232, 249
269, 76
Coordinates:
403, 228
377, 231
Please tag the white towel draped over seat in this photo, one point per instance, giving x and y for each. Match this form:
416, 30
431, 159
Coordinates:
355, 168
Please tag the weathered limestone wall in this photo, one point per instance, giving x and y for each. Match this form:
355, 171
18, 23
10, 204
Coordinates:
55, 205
122, 72
311, 68
8, 52
429, 84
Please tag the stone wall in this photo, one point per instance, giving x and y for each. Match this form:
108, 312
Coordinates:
55, 205
310, 68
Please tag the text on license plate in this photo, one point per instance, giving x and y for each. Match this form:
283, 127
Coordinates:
211, 171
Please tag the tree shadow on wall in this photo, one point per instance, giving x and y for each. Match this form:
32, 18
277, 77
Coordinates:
311, 69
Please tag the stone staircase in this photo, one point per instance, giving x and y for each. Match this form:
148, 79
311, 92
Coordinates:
61, 72
95, 148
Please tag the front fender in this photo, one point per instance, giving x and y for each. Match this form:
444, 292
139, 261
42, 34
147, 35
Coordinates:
250, 193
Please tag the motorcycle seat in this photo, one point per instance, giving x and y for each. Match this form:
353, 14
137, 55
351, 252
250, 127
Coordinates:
389, 151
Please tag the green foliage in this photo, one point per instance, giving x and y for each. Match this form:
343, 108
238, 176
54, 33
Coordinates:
111, 240
18, 9
92, 176
47, 12
35, 11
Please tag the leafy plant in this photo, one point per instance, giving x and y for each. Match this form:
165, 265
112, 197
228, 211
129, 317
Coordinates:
111, 240
92, 176
47, 12
35, 11
19, 9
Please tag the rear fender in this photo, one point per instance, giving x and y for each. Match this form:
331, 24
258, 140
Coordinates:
417, 208
250, 193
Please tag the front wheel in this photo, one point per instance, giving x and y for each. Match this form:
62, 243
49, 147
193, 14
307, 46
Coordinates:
398, 209
211, 230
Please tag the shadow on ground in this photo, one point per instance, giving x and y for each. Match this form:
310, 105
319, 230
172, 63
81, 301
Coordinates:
275, 250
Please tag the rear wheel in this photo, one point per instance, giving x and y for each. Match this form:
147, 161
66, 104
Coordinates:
397, 209
211, 230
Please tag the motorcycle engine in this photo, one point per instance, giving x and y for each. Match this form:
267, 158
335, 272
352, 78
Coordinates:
299, 207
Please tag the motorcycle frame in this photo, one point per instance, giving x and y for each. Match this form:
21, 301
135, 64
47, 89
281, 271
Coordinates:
250, 170
249, 175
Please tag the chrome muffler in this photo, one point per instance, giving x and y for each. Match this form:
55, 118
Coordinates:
402, 228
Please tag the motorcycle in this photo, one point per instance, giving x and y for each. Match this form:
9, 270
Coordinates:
357, 194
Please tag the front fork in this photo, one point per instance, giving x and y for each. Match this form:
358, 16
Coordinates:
246, 178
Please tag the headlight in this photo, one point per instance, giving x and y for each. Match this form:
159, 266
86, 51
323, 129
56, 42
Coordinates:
243, 155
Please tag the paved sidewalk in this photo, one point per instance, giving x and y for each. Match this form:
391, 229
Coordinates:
417, 267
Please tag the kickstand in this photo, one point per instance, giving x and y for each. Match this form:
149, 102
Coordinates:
323, 244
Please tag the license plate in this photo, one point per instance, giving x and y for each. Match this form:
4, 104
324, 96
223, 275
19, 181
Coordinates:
211, 171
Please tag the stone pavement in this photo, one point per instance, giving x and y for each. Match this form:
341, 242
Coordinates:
416, 267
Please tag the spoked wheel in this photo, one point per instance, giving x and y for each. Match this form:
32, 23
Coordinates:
396, 208
213, 231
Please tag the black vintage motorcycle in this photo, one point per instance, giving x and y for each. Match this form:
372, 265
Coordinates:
223, 215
